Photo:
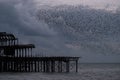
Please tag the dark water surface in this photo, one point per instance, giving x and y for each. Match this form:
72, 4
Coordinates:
87, 71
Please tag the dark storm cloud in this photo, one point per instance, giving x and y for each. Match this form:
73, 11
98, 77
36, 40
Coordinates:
18, 18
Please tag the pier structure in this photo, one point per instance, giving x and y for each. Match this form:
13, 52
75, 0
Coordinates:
15, 57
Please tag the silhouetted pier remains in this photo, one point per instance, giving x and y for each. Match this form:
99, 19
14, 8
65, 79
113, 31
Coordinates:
15, 57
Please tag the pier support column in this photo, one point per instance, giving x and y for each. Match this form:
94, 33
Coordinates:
44, 66
25, 52
52, 66
41, 66
76, 65
0, 64
68, 66
35, 67
59, 66
31, 52
29, 66
38, 64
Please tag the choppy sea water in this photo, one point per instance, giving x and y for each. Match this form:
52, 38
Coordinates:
86, 72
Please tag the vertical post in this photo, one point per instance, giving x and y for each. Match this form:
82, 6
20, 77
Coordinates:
53, 66
67, 66
44, 67
35, 66
14, 42
47, 66
17, 52
0, 64
25, 63
59, 66
11, 63
41, 64
7, 64
20, 63
15, 65
31, 52
32, 65
38, 65
25, 52
22, 53
76, 65
9, 43
28, 53
1, 61
28, 65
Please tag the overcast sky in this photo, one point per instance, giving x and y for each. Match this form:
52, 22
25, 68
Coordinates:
113, 4
17, 16
99, 4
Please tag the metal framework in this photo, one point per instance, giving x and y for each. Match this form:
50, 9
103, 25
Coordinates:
15, 57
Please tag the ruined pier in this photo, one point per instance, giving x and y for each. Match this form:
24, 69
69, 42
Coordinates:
15, 57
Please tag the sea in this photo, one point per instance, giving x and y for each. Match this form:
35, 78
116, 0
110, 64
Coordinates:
86, 71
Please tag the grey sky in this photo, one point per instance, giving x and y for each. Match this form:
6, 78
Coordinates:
98, 4
21, 19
